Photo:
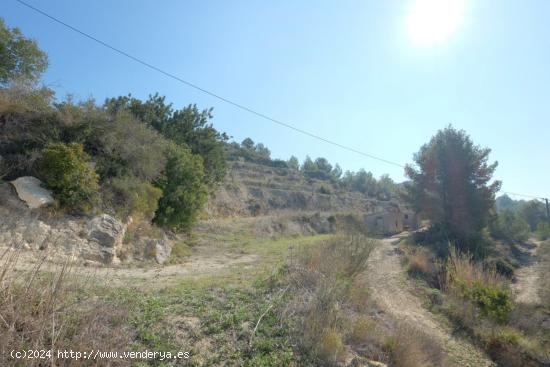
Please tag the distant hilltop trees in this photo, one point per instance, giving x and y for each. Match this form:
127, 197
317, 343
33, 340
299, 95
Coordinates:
362, 181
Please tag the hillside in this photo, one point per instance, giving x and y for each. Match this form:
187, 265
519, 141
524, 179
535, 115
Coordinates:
252, 190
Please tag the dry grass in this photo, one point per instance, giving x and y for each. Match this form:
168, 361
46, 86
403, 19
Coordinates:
478, 299
421, 262
41, 310
323, 279
462, 268
336, 318
410, 347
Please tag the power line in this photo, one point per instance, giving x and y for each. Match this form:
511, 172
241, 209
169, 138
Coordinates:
524, 195
203, 90
223, 99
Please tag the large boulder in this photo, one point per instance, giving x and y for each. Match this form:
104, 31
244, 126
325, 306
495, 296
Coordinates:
30, 190
108, 233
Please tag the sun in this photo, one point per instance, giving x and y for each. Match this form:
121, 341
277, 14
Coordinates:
434, 21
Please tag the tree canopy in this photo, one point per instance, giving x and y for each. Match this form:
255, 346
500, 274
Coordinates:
451, 184
187, 127
20, 57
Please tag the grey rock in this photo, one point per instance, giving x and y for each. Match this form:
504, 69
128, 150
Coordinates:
30, 190
158, 249
108, 233
97, 239
105, 230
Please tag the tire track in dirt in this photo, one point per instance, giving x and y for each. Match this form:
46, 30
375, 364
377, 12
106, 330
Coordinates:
528, 275
392, 289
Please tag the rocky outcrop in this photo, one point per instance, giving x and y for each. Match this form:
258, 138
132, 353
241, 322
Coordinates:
30, 190
108, 234
98, 239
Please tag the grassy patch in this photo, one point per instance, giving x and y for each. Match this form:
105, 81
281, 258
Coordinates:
180, 251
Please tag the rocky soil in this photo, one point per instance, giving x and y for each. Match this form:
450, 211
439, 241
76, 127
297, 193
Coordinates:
97, 238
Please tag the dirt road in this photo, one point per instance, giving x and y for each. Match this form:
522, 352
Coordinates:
528, 275
392, 289
202, 263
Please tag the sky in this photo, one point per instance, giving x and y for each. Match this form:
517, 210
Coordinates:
379, 76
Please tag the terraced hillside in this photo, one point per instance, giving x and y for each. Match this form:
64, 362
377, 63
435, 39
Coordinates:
254, 190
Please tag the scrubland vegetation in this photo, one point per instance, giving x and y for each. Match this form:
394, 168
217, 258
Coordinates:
466, 257
479, 301
158, 164
105, 157
313, 309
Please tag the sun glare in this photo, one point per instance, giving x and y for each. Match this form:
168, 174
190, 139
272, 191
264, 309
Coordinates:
433, 21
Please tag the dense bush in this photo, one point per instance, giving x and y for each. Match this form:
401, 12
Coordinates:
184, 190
91, 155
543, 231
66, 171
324, 190
129, 147
480, 285
510, 227
493, 301
132, 197
533, 212
187, 127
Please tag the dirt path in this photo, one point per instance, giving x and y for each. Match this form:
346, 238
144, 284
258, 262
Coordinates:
202, 263
528, 275
391, 287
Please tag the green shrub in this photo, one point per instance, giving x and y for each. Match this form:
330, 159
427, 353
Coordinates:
180, 251
184, 190
363, 330
492, 301
324, 190
130, 196
435, 296
479, 284
66, 171
130, 147
504, 267
543, 231
510, 227
330, 347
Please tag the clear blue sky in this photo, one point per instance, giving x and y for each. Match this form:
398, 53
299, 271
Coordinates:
346, 70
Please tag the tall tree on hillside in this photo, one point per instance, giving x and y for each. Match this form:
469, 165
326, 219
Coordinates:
336, 171
308, 165
293, 163
248, 144
20, 57
451, 184
387, 188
